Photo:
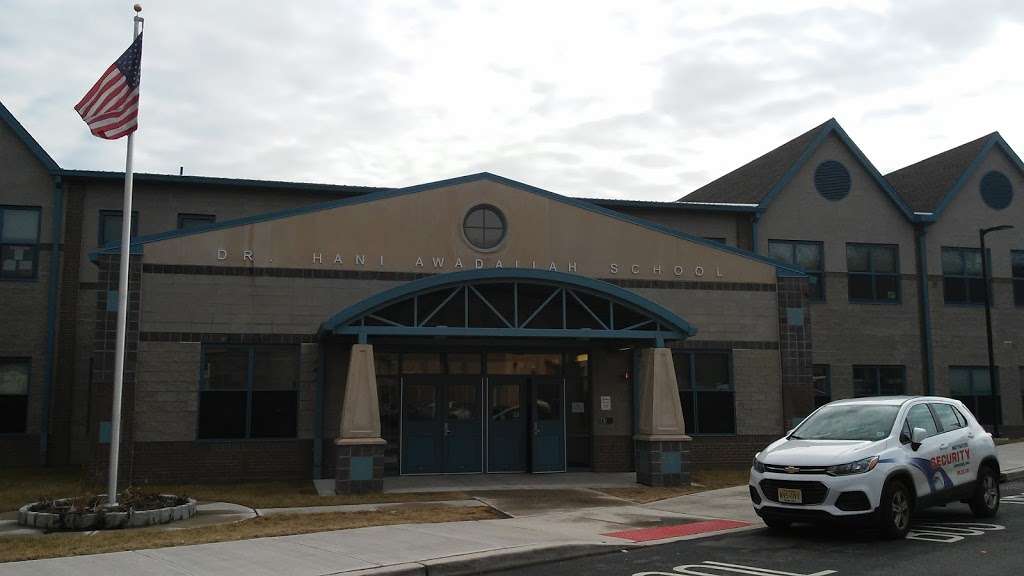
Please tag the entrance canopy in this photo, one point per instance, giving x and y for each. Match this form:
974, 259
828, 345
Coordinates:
509, 303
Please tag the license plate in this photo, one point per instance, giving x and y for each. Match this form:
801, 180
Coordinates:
791, 495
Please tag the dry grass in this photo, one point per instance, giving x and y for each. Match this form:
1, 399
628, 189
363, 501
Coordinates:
19, 486
13, 548
707, 479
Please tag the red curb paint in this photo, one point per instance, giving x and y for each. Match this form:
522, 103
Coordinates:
662, 532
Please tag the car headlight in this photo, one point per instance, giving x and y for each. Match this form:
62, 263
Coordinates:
858, 467
757, 465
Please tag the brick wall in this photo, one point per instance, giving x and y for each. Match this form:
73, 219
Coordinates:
220, 461
612, 454
710, 451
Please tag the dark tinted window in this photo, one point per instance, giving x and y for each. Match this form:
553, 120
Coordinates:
962, 279
110, 226
808, 255
706, 391
14, 381
249, 391
873, 272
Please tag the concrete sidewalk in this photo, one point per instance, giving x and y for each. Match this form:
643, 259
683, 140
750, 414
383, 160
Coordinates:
1011, 460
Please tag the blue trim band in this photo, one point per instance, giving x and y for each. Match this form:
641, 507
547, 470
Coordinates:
781, 267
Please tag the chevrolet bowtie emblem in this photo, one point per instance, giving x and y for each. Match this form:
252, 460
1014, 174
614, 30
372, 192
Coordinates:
791, 469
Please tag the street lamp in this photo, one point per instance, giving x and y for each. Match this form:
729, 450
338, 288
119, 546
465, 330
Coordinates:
992, 381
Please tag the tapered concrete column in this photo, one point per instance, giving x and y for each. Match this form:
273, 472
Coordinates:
360, 449
662, 458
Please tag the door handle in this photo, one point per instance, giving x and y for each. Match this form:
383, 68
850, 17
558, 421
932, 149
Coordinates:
943, 446
447, 429
536, 429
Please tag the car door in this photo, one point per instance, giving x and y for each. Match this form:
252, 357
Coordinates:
954, 455
928, 481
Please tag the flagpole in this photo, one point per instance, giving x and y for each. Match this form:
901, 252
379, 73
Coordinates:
122, 303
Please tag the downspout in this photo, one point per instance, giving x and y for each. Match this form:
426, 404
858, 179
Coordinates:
53, 292
924, 309
753, 231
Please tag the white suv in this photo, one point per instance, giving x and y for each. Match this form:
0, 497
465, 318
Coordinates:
874, 461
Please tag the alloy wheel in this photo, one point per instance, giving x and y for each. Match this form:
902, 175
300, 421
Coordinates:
900, 509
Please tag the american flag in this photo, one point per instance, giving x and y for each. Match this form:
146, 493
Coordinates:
111, 106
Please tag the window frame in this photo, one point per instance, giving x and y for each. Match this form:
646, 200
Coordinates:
34, 246
973, 396
1017, 281
820, 296
877, 370
874, 275
252, 350
27, 360
828, 384
101, 221
203, 219
966, 279
693, 391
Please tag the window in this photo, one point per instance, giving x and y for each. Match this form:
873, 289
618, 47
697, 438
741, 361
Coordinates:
14, 376
921, 417
808, 255
962, 282
878, 381
971, 385
249, 392
873, 272
1017, 259
948, 419
822, 377
706, 392
110, 226
19, 242
194, 220
484, 227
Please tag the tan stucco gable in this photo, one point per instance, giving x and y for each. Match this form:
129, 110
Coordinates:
420, 230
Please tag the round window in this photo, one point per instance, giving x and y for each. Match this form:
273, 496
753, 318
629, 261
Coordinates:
832, 180
484, 227
996, 190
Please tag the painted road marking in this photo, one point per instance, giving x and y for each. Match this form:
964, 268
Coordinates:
662, 532
950, 532
712, 568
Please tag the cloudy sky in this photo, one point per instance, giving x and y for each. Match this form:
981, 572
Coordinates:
629, 99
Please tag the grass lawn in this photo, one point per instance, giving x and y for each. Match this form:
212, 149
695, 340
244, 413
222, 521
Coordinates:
19, 486
13, 548
708, 479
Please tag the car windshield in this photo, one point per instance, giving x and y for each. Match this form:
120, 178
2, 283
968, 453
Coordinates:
848, 422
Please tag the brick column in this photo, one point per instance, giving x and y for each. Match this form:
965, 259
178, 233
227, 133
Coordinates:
360, 450
662, 456
795, 350
105, 344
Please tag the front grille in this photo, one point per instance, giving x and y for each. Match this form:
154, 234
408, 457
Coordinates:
812, 492
754, 496
780, 469
850, 501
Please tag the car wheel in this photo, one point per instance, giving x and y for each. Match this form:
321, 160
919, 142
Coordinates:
895, 510
776, 523
985, 502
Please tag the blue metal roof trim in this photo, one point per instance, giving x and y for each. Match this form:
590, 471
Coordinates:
830, 127
28, 140
659, 312
229, 182
782, 268
995, 140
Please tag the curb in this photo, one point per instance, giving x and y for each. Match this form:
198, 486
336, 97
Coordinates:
492, 561
1012, 475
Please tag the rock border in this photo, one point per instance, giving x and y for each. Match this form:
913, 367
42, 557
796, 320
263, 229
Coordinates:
105, 520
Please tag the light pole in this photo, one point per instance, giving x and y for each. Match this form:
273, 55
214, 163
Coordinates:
992, 380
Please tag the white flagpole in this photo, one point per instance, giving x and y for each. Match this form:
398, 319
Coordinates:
122, 305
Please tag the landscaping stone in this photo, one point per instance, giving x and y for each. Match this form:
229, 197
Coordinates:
107, 520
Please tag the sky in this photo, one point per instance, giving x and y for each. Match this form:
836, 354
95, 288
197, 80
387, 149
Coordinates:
632, 99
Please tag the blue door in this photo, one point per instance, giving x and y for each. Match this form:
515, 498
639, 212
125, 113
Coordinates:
507, 417
441, 424
547, 440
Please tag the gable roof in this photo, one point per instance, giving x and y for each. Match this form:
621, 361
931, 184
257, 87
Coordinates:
759, 181
28, 140
781, 268
929, 185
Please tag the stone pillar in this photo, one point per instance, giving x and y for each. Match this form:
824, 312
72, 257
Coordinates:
360, 449
662, 455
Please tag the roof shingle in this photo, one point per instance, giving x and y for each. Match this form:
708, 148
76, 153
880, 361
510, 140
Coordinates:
924, 184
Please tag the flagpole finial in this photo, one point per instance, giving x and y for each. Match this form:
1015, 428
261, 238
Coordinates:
137, 7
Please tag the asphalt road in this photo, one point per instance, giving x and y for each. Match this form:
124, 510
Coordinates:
944, 541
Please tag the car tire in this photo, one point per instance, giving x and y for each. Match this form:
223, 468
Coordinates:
895, 510
776, 523
985, 501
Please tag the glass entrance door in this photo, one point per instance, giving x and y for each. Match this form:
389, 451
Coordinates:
547, 444
507, 419
441, 424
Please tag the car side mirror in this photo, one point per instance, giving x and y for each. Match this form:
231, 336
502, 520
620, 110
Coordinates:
917, 437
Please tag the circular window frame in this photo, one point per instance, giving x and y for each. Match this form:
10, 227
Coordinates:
501, 218
986, 191
830, 165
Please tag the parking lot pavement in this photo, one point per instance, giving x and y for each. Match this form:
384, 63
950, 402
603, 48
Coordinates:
947, 540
